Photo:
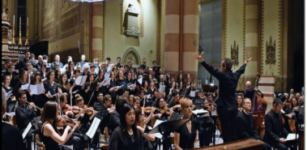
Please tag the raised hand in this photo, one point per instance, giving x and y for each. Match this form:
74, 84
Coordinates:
247, 59
199, 57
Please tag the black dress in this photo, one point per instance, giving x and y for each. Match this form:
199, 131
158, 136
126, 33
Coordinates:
53, 90
49, 143
187, 139
121, 140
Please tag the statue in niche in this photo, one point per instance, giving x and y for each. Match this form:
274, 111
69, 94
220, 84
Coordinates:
234, 52
270, 52
131, 22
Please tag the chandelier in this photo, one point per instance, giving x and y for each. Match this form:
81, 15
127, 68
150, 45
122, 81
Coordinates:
88, 1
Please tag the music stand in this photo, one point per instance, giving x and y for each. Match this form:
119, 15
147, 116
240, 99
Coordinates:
92, 130
166, 128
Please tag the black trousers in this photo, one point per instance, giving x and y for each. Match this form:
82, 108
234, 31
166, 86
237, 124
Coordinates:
228, 123
205, 136
28, 138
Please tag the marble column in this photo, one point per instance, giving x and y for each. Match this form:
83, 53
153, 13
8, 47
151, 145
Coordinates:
172, 25
97, 31
252, 36
190, 37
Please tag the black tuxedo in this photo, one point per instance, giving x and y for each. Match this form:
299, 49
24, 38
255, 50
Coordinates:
274, 130
11, 138
246, 126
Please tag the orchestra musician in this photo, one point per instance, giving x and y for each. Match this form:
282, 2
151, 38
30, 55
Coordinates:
141, 122
126, 136
11, 136
275, 133
25, 115
115, 116
250, 91
205, 126
245, 124
162, 112
226, 103
49, 136
185, 135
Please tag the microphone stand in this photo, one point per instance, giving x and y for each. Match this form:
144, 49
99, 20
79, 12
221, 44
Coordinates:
296, 126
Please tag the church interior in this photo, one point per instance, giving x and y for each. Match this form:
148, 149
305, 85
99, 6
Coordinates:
169, 47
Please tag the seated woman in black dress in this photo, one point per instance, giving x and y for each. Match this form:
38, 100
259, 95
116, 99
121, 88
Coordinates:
51, 139
126, 136
185, 135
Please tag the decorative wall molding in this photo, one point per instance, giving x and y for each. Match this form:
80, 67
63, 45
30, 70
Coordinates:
280, 33
121, 18
244, 26
262, 35
225, 31
103, 29
134, 53
158, 31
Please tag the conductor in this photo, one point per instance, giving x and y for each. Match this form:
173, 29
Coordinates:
226, 103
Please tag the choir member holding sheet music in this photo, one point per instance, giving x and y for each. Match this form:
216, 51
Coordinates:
70, 70
89, 89
11, 137
126, 136
65, 85
37, 86
113, 88
51, 88
24, 115
120, 82
50, 137
11, 99
24, 82
43, 73
57, 75
101, 82
185, 135
130, 84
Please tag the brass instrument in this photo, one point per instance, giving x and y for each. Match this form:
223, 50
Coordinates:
40, 109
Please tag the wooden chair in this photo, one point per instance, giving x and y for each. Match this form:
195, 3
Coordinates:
104, 147
106, 135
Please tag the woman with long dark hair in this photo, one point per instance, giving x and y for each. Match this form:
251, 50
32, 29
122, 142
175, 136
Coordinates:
51, 139
126, 136
52, 89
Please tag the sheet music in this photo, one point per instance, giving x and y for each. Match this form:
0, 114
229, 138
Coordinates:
80, 80
148, 96
8, 94
140, 80
291, 137
192, 93
24, 134
162, 88
25, 86
158, 135
199, 111
93, 128
37, 89
105, 82
177, 90
106, 75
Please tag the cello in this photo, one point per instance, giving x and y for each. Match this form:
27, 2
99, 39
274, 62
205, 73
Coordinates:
260, 106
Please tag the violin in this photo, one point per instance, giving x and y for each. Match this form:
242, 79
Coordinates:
74, 109
165, 110
147, 110
88, 110
64, 120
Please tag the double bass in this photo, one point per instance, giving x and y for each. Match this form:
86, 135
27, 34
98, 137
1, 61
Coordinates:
260, 106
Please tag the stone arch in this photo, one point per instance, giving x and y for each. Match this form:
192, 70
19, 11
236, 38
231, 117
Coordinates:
131, 54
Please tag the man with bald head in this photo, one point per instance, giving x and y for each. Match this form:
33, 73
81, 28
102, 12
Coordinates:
250, 91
